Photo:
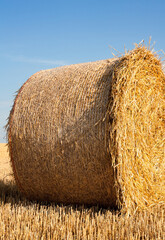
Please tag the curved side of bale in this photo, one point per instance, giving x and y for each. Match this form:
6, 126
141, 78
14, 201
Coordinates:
57, 139
137, 131
10, 145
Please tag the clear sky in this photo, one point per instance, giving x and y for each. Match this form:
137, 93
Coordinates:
42, 34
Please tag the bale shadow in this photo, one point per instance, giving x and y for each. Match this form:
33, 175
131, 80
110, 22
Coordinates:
9, 194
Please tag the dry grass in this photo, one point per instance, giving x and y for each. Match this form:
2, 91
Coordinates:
23, 219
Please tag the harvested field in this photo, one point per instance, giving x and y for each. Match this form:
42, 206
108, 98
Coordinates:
24, 219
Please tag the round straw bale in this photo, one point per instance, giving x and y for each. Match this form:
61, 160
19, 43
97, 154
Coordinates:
92, 133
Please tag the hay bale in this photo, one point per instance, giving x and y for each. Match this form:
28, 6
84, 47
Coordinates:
92, 133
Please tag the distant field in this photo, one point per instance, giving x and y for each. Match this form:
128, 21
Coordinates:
5, 168
23, 219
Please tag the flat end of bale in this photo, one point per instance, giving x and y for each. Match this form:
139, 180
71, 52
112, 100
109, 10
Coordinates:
137, 130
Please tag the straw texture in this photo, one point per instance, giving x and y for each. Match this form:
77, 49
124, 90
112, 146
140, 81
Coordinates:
92, 133
137, 131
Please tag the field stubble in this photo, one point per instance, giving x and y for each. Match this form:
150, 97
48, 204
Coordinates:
24, 219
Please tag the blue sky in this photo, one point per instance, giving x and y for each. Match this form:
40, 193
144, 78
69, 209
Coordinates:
37, 34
